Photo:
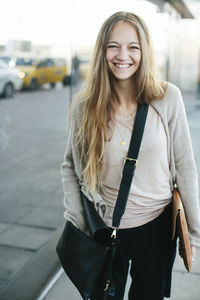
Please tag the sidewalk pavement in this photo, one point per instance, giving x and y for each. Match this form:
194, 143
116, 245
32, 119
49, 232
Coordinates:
184, 285
31, 151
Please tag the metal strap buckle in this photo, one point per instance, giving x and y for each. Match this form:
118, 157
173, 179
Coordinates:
131, 159
114, 233
107, 285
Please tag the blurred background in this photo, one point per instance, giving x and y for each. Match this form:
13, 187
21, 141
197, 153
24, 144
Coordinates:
45, 51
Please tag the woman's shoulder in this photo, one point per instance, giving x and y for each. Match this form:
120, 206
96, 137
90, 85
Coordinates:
172, 98
173, 92
171, 106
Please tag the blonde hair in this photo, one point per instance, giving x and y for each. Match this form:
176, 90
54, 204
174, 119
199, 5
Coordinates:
96, 95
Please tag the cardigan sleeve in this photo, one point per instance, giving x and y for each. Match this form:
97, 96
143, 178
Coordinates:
71, 186
186, 171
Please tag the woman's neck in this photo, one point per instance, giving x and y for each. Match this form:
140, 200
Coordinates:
124, 96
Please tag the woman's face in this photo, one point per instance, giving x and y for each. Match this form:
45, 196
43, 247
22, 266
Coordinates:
123, 53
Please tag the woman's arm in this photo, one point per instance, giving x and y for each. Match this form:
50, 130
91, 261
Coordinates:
186, 172
72, 196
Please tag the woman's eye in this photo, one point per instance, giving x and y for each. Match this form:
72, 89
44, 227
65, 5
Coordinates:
135, 47
112, 46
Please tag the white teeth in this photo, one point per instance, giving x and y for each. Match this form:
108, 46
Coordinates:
123, 66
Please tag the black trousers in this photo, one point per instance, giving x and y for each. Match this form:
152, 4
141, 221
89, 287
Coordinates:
151, 251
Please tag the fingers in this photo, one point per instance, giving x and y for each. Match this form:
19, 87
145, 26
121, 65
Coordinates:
193, 252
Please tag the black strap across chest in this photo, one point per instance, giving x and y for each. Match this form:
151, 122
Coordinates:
130, 164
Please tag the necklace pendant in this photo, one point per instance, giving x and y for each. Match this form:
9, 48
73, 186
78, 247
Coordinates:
122, 142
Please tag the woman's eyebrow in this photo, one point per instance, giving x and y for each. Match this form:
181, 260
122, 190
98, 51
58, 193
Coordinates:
135, 43
114, 42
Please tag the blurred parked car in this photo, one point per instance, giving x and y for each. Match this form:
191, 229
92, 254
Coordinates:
40, 71
10, 80
9, 60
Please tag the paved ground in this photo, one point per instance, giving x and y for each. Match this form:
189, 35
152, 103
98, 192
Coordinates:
32, 142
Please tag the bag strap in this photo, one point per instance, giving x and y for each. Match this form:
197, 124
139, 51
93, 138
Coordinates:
130, 163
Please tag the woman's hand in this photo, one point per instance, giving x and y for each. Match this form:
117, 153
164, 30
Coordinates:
193, 252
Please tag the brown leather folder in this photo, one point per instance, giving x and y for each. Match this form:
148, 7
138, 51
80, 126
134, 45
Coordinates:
180, 229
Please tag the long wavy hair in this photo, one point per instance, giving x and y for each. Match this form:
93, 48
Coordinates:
96, 96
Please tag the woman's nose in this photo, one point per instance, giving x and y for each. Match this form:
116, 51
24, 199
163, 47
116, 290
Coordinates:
122, 54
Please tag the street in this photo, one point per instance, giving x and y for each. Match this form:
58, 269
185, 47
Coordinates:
33, 135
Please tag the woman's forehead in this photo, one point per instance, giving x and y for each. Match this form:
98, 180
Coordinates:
124, 31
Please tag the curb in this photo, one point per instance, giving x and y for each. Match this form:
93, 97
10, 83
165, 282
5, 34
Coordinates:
28, 283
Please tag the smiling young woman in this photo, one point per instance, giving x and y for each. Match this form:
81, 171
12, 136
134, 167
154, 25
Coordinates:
123, 52
122, 75
123, 56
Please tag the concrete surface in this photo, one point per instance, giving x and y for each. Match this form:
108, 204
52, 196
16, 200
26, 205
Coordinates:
33, 136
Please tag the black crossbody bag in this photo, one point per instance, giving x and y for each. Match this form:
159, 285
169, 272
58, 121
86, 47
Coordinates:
88, 260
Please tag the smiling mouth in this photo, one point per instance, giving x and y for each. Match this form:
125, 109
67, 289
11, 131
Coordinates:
122, 66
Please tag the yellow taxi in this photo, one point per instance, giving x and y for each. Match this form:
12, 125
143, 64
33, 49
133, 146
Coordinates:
40, 71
